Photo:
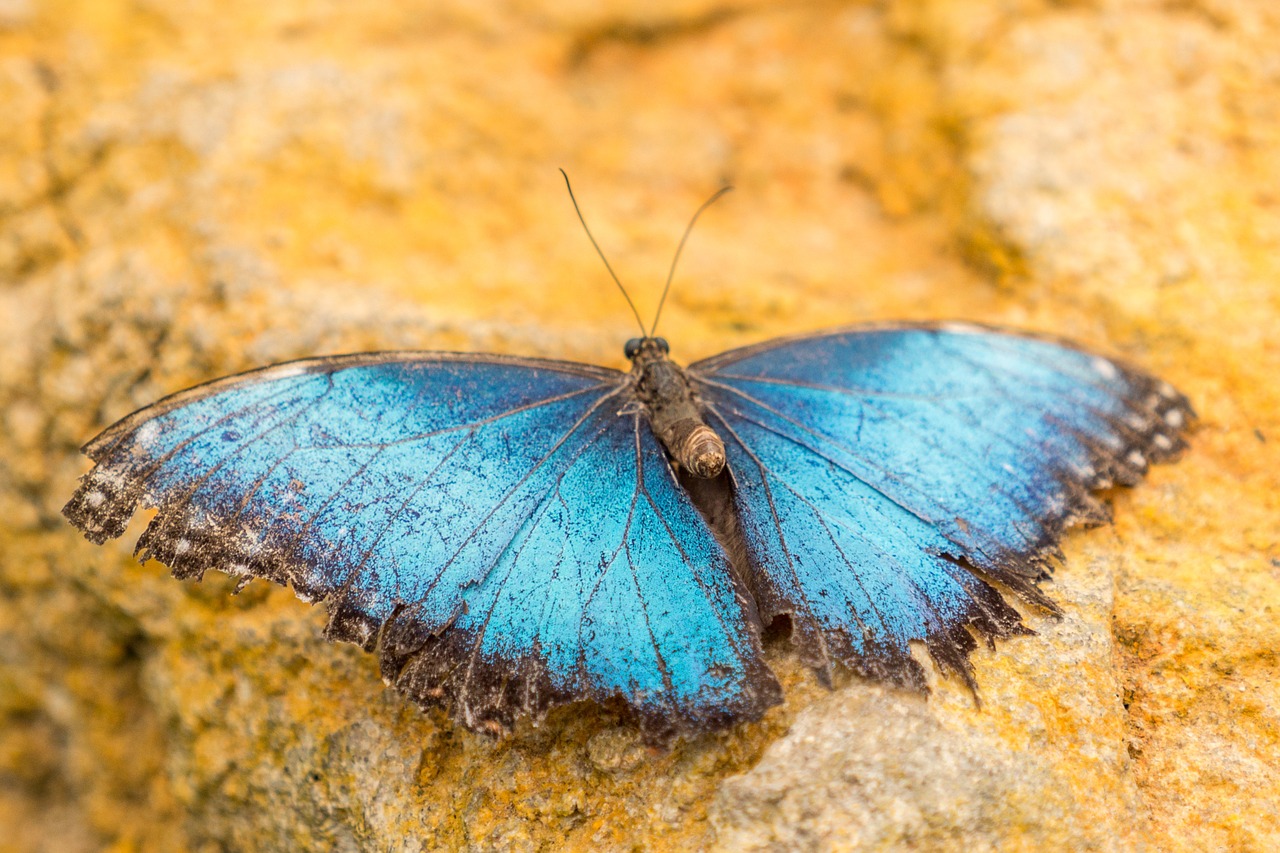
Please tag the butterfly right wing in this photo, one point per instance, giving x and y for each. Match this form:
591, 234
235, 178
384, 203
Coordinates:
502, 534
885, 474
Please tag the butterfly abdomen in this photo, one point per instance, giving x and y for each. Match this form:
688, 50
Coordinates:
695, 446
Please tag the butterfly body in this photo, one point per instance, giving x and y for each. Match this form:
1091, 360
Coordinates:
513, 534
674, 414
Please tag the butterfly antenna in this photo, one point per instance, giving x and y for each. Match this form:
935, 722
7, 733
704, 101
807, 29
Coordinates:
601, 254
671, 274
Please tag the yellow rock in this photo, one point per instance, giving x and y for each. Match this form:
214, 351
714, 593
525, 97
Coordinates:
192, 189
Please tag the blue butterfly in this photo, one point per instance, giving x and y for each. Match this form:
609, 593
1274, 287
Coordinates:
513, 534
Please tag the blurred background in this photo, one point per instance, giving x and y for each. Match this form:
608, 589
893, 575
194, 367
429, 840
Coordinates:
193, 188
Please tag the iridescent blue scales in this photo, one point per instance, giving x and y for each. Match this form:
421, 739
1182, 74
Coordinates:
509, 534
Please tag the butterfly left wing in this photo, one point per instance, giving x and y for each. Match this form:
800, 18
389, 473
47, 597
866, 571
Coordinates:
504, 532
873, 467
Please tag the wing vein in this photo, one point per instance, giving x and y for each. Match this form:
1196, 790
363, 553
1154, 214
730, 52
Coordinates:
471, 425
730, 634
511, 491
777, 521
928, 440
288, 551
155, 466
667, 683
819, 453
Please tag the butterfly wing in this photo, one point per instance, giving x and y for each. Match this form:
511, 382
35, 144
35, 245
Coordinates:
505, 533
874, 467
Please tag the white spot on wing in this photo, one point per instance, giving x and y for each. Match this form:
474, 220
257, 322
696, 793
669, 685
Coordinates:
1104, 368
1173, 418
286, 371
962, 329
182, 546
95, 499
1085, 472
1136, 459
146, 433
1162, 441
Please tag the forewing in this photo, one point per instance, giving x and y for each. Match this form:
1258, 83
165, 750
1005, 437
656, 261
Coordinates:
495, 528
875, 467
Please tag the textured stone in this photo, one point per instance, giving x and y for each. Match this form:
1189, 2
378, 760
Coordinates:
1041, 765
192, 189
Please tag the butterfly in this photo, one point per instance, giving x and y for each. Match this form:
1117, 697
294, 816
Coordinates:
513, 534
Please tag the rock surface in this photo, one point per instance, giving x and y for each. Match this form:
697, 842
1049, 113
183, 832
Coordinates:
191, 189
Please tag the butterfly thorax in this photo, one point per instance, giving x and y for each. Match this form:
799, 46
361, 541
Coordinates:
674, 413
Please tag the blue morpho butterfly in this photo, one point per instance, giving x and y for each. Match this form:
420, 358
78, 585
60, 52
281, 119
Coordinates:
512, 534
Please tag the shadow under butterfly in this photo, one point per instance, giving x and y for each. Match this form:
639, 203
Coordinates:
512, 534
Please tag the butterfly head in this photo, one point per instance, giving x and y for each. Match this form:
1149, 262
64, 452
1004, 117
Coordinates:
644, 350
